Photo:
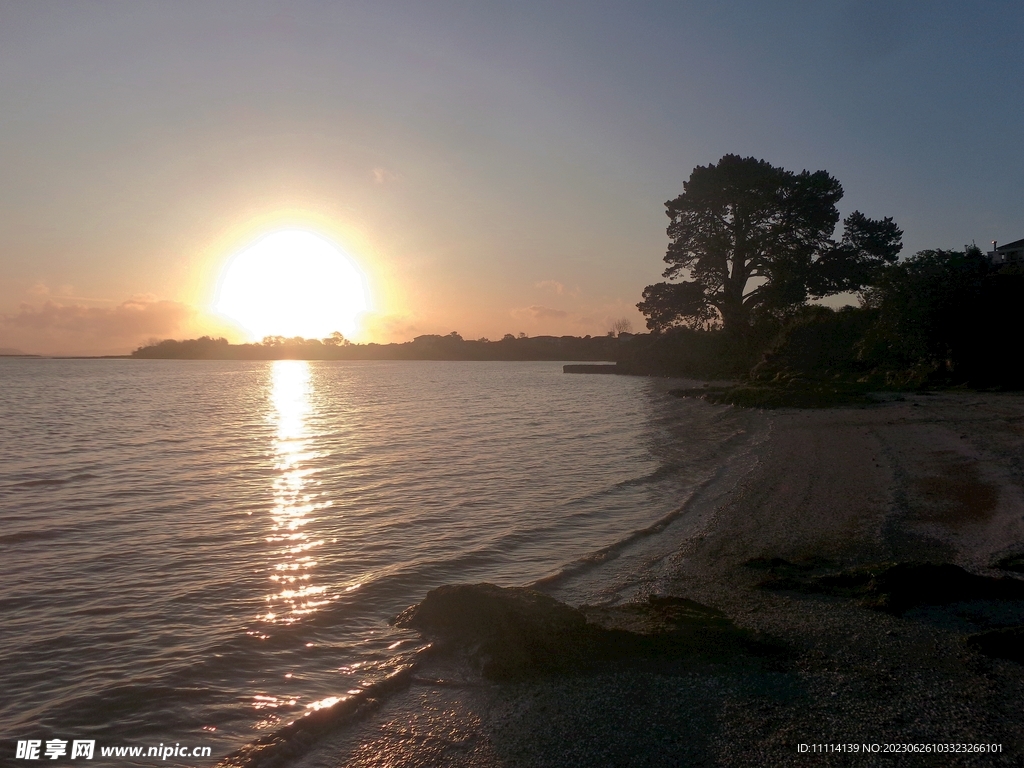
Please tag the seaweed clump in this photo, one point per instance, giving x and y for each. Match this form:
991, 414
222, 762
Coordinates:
795, 394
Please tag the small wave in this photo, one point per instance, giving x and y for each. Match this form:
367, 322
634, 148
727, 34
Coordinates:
298, 736
613, 550
44, 482
23, 536
121, 704
662, 472
51, 481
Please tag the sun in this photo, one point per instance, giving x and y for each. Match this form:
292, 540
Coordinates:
293, 283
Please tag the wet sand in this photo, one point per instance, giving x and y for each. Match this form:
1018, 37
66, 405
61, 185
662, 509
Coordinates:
935, 478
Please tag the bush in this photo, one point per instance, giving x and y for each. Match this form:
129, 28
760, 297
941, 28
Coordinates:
946, 317
696, 354
817, 343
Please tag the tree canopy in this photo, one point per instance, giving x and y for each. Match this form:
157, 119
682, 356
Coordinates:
747, 238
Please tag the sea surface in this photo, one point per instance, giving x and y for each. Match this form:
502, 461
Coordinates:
197, 553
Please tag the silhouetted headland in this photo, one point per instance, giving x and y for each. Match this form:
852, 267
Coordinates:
426, 347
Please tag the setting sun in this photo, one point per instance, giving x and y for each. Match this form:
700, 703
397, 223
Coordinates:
293, 283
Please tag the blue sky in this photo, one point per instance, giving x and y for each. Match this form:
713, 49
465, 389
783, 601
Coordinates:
494, 167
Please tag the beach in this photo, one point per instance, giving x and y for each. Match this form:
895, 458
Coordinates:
920, 478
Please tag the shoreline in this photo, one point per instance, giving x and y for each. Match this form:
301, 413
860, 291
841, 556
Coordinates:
931, 478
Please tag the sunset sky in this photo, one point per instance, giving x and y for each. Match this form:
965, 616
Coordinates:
490, 167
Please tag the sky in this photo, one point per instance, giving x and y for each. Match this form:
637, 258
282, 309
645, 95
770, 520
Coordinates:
492, 168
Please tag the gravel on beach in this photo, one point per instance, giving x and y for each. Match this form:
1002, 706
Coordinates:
922, 478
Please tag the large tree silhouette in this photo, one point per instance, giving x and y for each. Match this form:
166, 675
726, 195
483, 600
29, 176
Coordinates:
747, 237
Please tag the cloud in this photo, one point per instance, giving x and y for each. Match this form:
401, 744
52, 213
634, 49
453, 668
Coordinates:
64, 292
553, 285
537, 312
557, 288
69, 329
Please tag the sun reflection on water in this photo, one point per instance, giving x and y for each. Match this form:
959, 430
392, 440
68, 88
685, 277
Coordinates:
294, 505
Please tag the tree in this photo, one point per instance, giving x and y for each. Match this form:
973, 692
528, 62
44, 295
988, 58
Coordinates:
936, 309
621, 326
336, 339
748, 238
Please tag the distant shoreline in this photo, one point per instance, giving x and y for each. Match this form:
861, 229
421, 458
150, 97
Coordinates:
596, 361
428, 347
608, 349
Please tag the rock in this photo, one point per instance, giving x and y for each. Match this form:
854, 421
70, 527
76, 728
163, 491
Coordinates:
1011, 563
908, 584
512, 632
1002, 643
504, 630
897, 587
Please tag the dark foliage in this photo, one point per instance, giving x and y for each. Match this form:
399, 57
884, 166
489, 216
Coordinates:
204, 348
818, 344
745, 222
940, 318
946, 317
697, 354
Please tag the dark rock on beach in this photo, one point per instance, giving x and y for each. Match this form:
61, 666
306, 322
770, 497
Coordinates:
1007, 643
513, 632
505, 631
894, 588
1011, 563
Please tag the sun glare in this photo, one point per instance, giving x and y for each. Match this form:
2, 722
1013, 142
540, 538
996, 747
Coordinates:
293, 283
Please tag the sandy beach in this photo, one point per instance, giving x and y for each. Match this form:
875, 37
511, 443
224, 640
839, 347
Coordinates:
926, 478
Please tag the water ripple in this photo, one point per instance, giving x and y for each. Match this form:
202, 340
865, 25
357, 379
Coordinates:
191, 546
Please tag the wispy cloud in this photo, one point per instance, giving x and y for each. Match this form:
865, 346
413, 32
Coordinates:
551, 285
382, 175
59, 328
537, 312
64, 292
557, 288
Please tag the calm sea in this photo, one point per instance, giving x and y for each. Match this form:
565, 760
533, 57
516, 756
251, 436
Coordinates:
199, 552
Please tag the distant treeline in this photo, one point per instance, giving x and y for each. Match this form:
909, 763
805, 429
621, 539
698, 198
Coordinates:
428, 347
937, 319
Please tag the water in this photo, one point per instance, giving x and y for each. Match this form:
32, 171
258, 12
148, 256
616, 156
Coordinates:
198, 552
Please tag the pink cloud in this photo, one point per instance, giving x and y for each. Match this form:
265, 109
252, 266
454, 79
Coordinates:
537, 312
71, 329
558, 288
552, 285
